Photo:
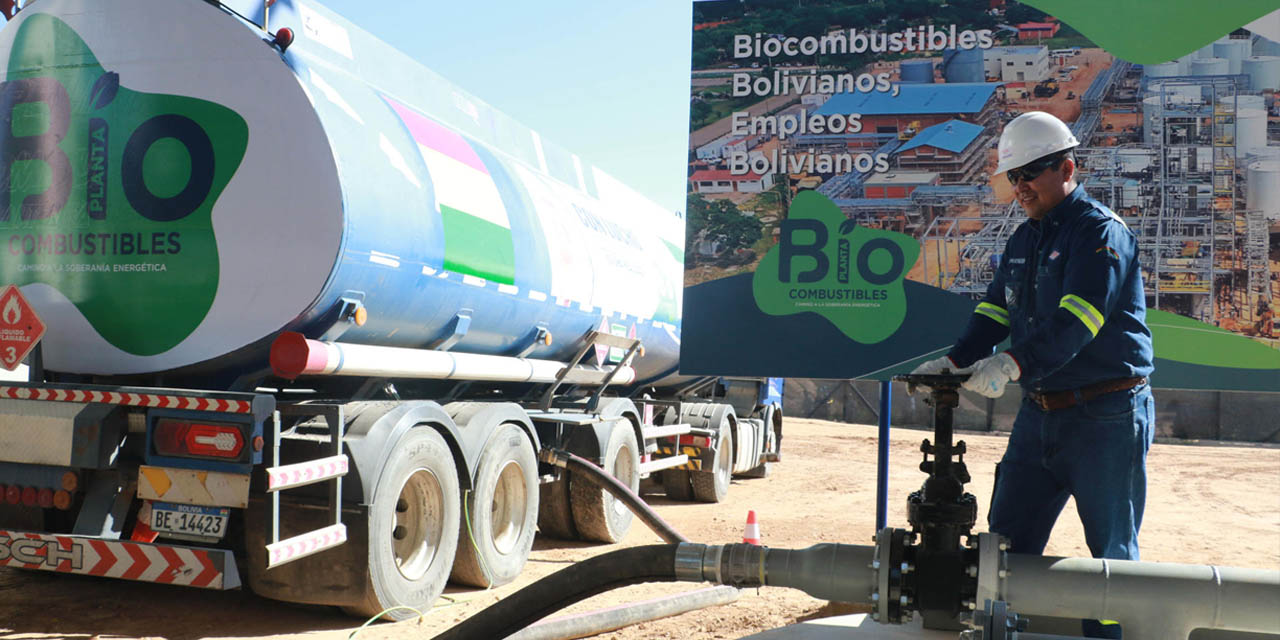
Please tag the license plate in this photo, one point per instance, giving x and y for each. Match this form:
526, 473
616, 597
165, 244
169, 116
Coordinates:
209, 523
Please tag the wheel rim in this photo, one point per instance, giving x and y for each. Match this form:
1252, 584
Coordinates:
507, 513
419, 514
623, 471
724, 460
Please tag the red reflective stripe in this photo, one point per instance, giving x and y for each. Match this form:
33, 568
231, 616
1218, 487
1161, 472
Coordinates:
175, 565
128, 399
140, 561
210, 572
106, 559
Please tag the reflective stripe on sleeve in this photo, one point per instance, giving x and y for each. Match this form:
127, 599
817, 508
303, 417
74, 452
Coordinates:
1083, 310
992, 311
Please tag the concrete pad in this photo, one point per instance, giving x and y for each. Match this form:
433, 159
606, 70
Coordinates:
858, 626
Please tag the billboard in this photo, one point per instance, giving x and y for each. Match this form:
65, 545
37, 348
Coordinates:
842, 213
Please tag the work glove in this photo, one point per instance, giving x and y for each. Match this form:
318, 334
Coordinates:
935, 366
990, 375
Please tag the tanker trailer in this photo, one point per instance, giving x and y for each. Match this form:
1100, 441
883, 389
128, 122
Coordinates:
314, 313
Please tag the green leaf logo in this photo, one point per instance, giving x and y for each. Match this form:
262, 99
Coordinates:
826, 264
107, 194
104, 90
1150, 32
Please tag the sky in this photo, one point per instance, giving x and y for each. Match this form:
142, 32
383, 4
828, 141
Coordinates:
608, 81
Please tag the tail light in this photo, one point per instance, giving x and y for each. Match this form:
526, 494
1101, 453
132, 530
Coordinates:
184, 438
698, 441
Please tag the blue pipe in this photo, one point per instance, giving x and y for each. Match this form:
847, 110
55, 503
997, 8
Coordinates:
882, 460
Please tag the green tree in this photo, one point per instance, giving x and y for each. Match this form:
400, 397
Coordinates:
699, 111
722, 221
705, 57
1017, 13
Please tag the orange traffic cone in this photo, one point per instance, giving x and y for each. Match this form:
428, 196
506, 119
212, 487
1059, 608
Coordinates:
751, 533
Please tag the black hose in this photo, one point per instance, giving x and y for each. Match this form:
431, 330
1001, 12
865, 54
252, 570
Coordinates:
638, 506
577, 582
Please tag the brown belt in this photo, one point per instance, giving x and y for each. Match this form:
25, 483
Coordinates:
1055, 400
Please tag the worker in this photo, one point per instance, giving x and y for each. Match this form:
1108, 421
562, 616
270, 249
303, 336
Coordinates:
1068, 294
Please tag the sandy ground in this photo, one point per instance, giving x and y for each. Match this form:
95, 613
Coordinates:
1208, 504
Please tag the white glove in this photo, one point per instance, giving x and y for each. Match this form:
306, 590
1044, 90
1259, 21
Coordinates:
937, 365
990, 375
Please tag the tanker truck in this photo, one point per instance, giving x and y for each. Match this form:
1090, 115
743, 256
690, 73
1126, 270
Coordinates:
317, 320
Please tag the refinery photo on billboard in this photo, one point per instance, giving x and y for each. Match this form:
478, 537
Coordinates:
841, 196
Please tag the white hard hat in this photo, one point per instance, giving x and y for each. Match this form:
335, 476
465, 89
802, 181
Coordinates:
1031, 136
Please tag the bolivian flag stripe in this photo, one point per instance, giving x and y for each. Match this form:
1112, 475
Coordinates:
477, 231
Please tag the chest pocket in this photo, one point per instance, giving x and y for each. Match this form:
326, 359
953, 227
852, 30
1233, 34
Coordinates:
1049, 281
1014, 284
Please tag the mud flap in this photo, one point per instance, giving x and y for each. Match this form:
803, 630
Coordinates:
333, 577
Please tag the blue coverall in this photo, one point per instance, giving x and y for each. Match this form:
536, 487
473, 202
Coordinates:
1068, 292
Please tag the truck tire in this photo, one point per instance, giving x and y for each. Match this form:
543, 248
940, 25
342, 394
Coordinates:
597, 515
555, 517
413, 527
772, 416
713, 485
676, 484
503, 508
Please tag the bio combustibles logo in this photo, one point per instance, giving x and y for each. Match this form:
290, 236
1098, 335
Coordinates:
825, 263
106, 193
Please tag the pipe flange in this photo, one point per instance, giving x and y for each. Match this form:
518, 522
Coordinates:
887, 598
991, 574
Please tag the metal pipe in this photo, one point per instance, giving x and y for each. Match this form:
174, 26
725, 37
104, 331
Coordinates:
829, 571
1152, 601
882, 454
293, 355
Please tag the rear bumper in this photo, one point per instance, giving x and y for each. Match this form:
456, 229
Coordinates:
143, 562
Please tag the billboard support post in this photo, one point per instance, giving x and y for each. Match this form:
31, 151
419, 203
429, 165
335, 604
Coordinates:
882, 460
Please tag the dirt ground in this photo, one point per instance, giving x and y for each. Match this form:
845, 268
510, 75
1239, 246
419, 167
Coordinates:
1208, 504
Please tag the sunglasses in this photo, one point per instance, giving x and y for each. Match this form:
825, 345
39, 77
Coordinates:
1032, 170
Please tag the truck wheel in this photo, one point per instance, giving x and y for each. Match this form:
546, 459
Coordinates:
772, 419
413, 527
503, 510
555, 519
713, 485
675, 482
596, 513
